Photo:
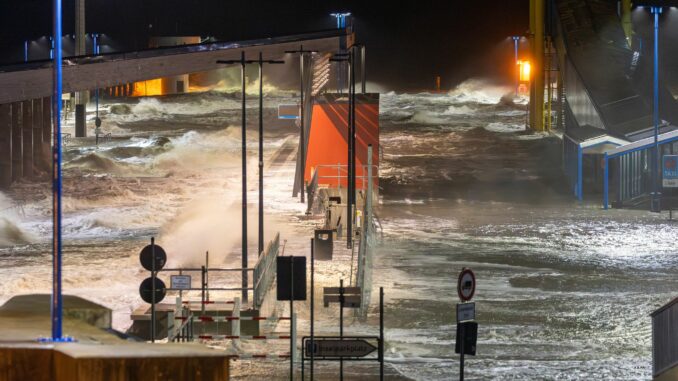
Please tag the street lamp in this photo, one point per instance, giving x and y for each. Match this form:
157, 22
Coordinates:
302, 129
341, 18
656, 7
516, 39
656, 194
243, 62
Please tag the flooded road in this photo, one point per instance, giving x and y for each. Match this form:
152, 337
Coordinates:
564, 288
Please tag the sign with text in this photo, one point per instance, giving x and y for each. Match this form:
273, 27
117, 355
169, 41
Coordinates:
670, 171
180, 282
466, 312
337, 348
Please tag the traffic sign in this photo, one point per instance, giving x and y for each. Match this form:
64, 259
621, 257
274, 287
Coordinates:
146, 290
146, 257
466, 285
337, 348
180, 282
466, 312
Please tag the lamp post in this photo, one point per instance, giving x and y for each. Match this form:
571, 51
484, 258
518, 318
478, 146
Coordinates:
243, 62
656, 190
261, 63
57, 301
302, 129
516, 39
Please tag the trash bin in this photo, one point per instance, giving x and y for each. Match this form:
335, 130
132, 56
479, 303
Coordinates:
323, 244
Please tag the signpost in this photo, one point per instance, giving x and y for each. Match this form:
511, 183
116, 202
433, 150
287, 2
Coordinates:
152, 289
345, 348
291, 274
467, 329
334, 348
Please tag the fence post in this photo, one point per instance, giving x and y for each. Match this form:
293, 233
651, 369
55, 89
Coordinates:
235, 324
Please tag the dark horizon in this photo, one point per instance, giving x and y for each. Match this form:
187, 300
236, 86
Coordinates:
408, 43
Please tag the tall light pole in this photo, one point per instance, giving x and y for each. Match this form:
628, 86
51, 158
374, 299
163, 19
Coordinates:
261, 63
656, 190
516, 39
242, 63
302, 130
57, 301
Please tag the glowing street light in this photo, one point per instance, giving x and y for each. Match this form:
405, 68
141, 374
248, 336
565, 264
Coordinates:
341, 19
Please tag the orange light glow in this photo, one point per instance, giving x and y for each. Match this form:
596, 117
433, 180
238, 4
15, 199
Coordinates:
524, 71
148, 88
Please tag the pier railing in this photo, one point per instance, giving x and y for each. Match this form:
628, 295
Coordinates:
664, 338
265, 270
366, 245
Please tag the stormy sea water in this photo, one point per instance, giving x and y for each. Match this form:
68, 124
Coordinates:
564, 288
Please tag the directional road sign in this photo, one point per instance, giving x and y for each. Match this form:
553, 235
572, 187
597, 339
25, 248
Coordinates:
328, 348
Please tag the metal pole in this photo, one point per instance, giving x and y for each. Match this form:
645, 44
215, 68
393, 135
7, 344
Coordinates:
353, 148
341, 325
656, 192
57, 302
244, 179
606, 181
260, 248
207, 275
202, 287
362, 69
152, 289
291, 317
461, 352
515, 51
302, 145
349, 140
381, 333
26, 51
312, 303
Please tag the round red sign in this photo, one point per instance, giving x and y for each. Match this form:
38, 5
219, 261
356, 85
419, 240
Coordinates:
466, 285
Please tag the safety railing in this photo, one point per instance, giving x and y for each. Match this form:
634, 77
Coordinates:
334, 173
265, 270
366, 245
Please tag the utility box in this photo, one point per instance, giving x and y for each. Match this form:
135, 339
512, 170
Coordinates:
323, 244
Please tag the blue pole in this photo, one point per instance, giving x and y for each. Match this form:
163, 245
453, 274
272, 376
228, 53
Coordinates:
56, 308
606, 183
26, 51
656, 192
580, 186
515, 48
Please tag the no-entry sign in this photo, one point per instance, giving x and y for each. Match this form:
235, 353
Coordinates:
466, 285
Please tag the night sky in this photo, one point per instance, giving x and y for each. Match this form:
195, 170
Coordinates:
408, 42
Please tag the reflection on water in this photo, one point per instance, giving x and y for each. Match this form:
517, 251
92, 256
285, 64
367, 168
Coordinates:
564, 289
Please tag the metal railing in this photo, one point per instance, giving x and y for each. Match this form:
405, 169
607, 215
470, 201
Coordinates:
265, 270
665, 338
340, 171
365, 246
